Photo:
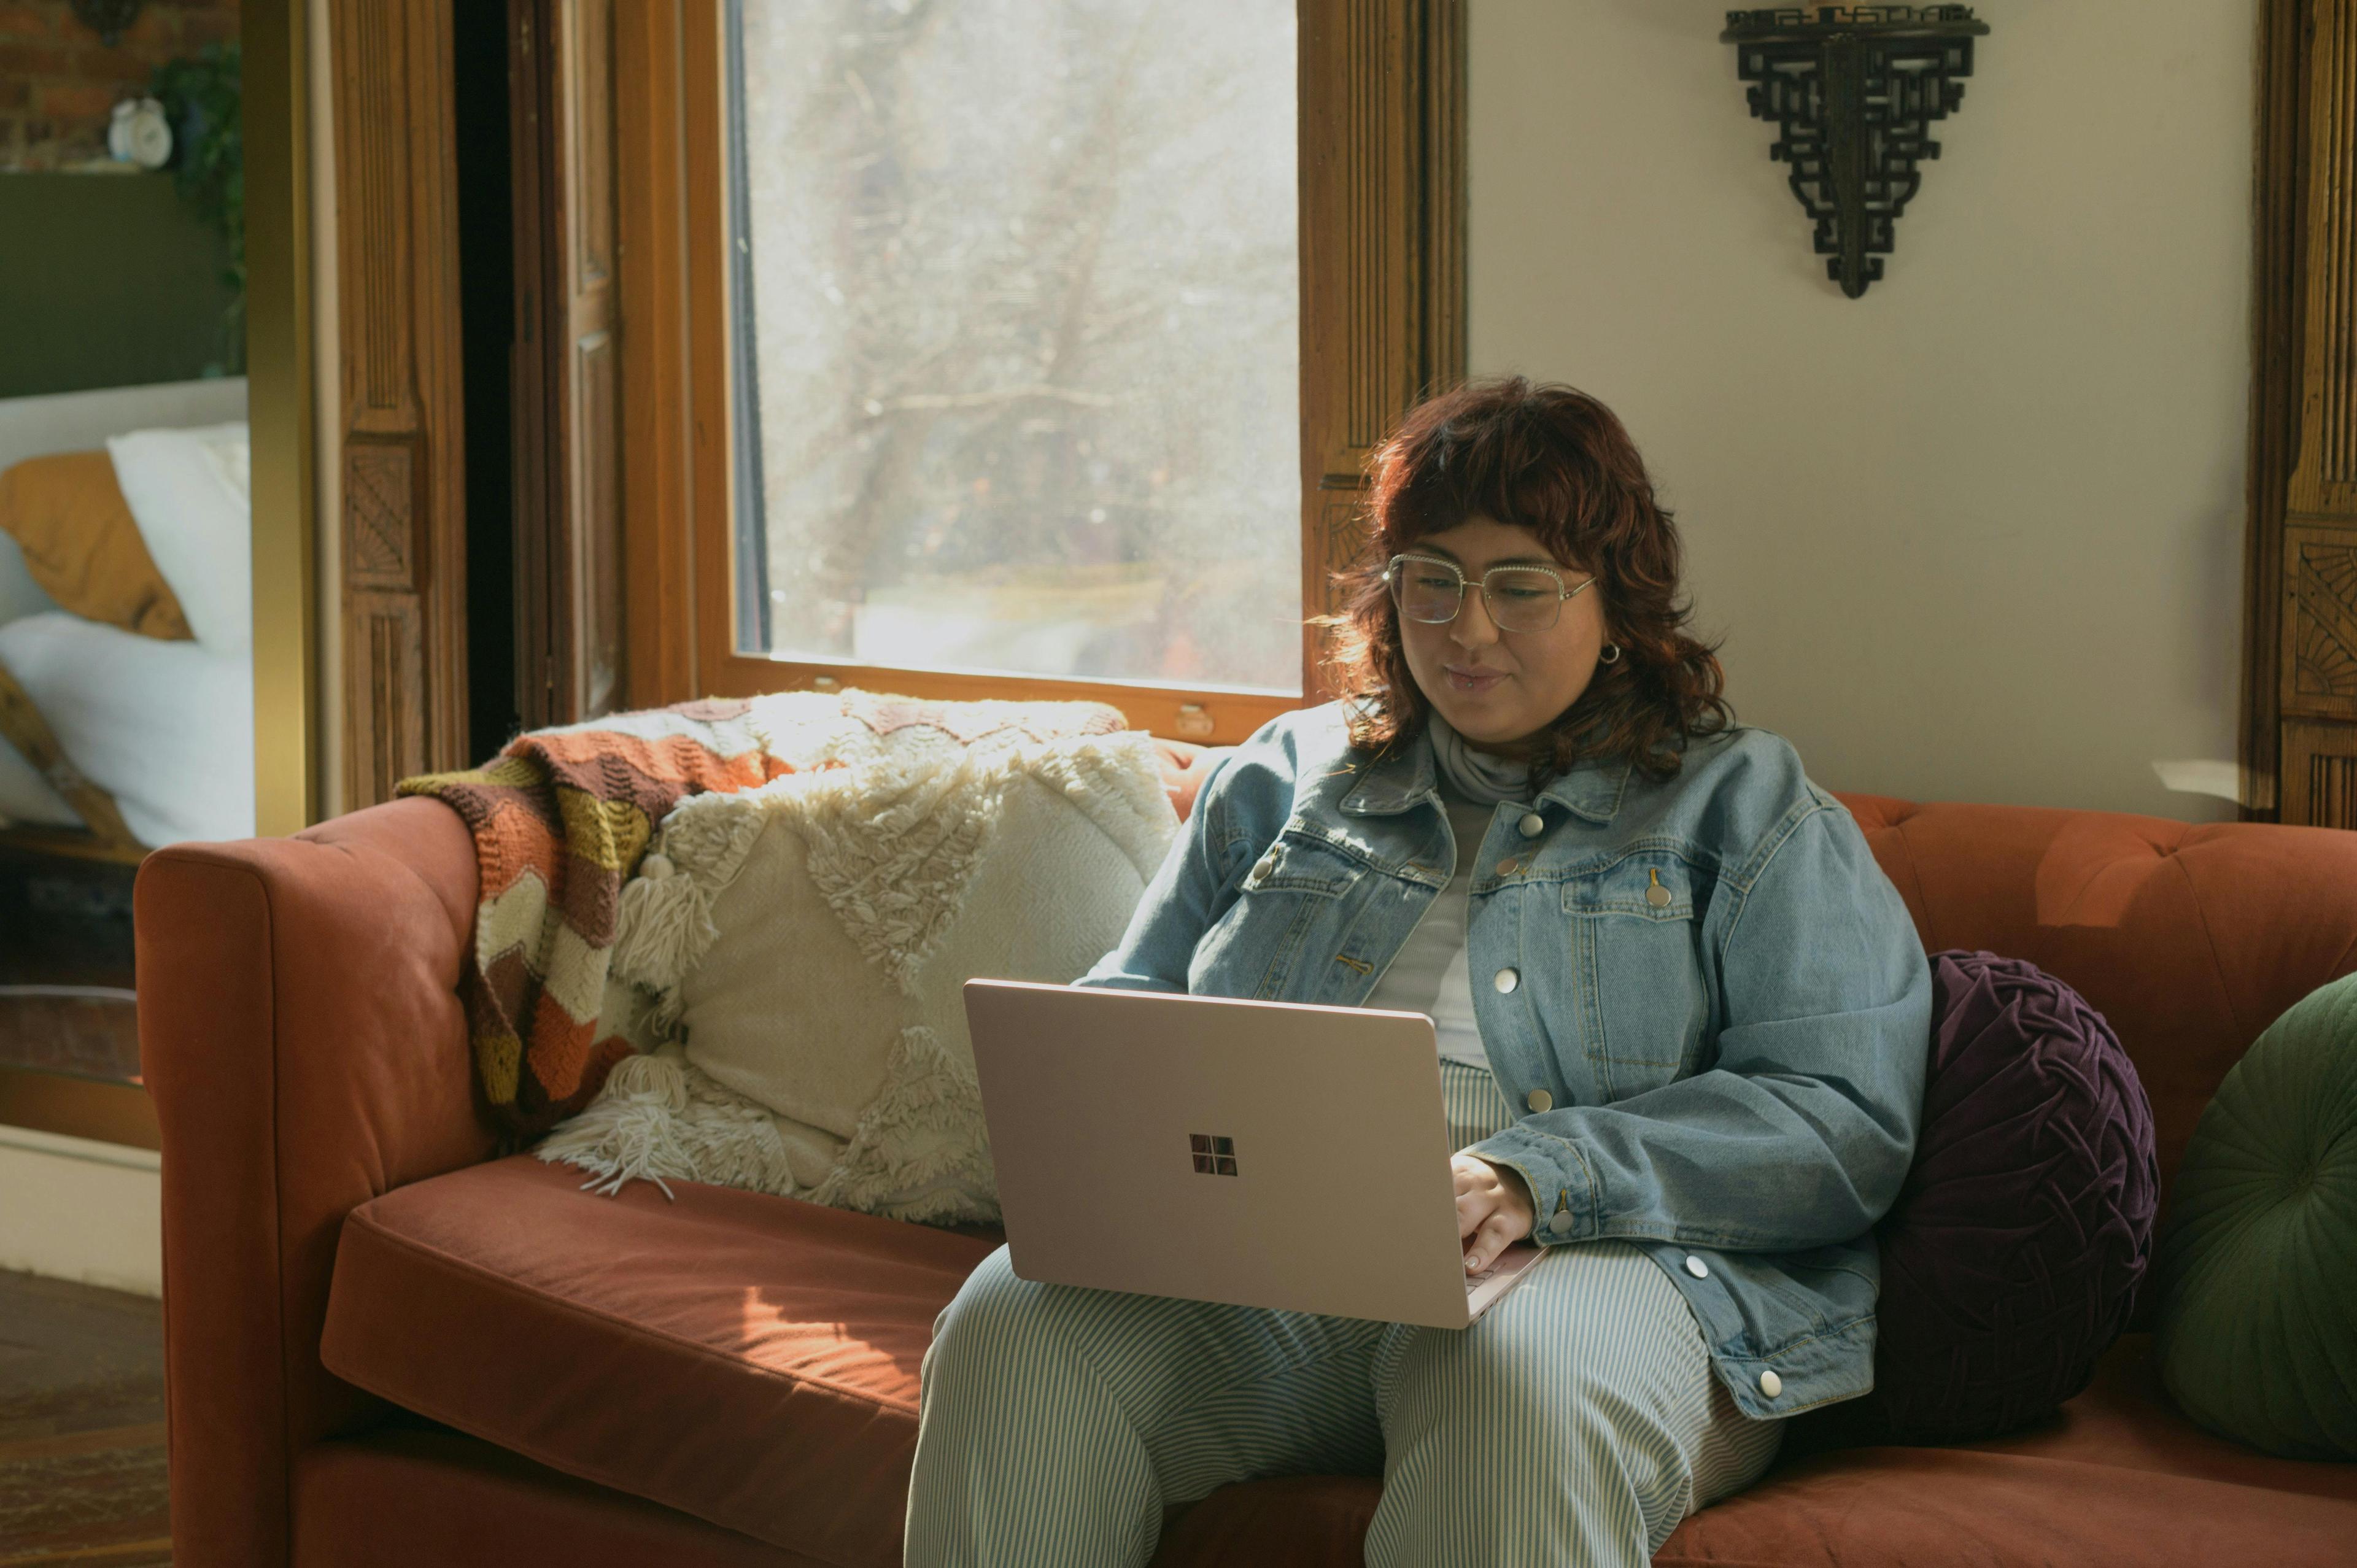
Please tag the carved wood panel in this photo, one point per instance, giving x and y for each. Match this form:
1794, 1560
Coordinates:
381, 512
2320, 774
1381, 184
402, 532
2324, 476
384, 652
2320, 622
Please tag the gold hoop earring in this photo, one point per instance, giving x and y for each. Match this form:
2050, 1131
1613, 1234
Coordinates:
1611, 654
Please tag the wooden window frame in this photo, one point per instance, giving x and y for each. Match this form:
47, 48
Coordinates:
1381, 101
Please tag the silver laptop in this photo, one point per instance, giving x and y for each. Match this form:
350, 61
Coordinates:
1267, 1154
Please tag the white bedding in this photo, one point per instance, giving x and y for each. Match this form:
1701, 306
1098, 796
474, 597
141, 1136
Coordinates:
25, 797
165, 727
190, 493
19, 595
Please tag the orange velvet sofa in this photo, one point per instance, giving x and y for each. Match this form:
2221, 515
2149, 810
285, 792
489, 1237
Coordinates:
389, 1346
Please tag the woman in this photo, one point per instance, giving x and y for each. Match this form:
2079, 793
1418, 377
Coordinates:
1683, 1023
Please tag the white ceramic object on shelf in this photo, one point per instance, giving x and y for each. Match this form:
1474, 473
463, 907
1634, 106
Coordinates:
139, 134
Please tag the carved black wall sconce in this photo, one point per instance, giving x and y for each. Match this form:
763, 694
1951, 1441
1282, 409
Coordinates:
1854, 90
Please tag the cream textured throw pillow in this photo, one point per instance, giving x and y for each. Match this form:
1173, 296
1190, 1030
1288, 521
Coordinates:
800, 948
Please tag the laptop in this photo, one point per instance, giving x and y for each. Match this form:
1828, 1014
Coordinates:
1263, 1153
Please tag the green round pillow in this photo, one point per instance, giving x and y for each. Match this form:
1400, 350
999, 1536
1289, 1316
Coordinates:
2257, 1262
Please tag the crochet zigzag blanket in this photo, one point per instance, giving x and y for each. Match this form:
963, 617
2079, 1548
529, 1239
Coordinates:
561, 819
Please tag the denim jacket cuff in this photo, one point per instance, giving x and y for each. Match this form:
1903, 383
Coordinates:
1563, 1188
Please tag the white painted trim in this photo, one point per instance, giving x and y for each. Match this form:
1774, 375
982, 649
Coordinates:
74, 1209
34, 1141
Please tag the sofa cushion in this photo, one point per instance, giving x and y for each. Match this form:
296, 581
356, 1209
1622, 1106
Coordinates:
191, 493
806, 944
2013, 1254
2257, 1336
81, 546
2116, 1477
2190, 938
746, 1359
413, 1494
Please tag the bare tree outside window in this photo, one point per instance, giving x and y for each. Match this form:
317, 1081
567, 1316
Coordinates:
1021, 278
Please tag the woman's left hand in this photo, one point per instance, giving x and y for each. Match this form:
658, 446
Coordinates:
1493, 1209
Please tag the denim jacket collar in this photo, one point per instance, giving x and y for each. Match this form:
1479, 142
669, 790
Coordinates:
1391, 783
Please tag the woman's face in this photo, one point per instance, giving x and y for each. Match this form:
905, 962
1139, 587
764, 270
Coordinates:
1499, 690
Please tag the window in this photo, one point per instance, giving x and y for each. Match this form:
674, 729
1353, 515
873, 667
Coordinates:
1015, 313
1020, 347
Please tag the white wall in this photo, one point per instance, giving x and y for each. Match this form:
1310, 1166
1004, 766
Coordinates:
1978, 535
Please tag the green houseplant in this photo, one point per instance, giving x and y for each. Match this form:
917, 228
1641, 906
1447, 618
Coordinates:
199, 94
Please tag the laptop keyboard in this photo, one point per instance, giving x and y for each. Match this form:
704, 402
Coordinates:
1511, 1264
1475, 1282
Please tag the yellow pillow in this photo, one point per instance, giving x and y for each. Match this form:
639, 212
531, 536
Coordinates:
82, 546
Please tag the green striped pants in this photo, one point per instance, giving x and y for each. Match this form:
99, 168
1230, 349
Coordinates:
1576, 1424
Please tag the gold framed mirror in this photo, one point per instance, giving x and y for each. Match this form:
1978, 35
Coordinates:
214, 378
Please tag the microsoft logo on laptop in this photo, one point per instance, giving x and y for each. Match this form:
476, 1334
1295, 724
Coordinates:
1214, 1157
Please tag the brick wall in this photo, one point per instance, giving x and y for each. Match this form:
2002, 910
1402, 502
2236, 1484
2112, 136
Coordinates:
59, 83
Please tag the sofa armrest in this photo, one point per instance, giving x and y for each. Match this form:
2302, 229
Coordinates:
301, 1034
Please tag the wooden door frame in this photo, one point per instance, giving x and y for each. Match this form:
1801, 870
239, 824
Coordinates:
2298, 738
1383, 190
535, 110
402, 534
559, 52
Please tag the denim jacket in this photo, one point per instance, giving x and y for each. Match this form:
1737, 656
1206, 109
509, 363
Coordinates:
1707, 990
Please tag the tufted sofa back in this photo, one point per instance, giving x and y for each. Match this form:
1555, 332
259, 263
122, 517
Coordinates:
2190, 940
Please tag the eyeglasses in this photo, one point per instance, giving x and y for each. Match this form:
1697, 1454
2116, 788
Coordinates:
1519, 598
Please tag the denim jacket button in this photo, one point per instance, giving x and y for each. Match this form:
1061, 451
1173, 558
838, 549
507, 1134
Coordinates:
1561, 1224
1539, 1100
1531, 824
1506, 980
1697, 1267
1770, 1384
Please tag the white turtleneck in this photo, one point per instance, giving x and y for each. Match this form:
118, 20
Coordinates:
1429, 974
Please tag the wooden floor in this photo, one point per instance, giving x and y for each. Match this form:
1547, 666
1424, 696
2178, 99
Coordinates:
82, 1426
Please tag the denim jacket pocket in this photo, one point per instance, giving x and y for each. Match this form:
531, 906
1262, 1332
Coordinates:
1637, 952
1296, 864
1790, 1298
1296, 887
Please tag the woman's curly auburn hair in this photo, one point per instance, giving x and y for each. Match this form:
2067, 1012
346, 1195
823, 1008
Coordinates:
1555, 461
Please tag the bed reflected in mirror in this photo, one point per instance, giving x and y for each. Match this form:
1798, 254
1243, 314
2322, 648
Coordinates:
126, 664
127, 688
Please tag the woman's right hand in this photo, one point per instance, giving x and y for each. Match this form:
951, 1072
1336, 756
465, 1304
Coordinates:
1493, 1209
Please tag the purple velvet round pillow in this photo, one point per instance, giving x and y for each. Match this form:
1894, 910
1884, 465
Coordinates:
2011, 1259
